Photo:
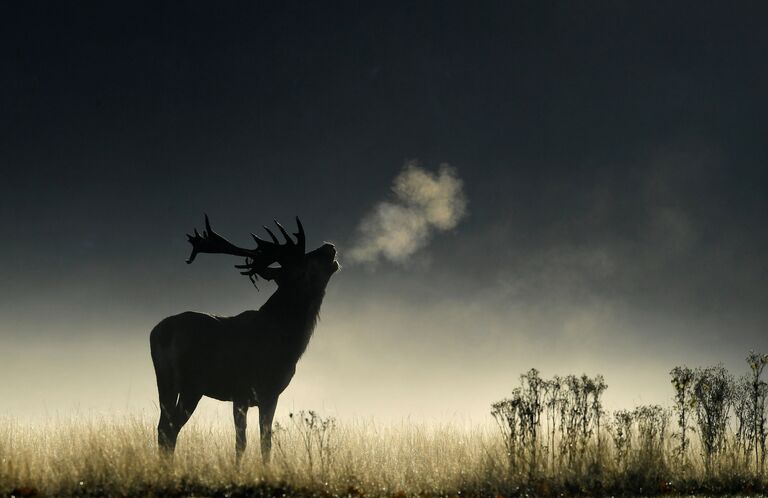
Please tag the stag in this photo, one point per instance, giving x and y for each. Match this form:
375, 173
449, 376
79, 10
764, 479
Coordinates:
250, 358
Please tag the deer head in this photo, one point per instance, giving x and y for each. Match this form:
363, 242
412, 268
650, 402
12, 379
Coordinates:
311, 270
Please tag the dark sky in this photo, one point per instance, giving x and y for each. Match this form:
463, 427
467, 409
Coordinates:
613, 157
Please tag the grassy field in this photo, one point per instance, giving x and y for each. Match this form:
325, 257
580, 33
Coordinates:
311, 455
118, 458
551, 437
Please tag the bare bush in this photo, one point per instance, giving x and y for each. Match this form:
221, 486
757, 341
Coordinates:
316, 435
682, 382
713, 389
758, 392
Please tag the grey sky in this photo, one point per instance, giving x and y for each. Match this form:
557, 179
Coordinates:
612, 156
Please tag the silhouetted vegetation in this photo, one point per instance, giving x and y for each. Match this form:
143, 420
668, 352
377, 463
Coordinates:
646, 450
552, 437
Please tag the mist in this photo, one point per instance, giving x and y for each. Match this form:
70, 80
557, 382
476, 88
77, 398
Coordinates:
590, 197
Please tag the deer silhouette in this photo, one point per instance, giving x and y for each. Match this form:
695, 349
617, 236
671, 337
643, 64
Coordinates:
250, 358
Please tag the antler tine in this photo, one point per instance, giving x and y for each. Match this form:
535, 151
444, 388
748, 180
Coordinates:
260, 241
300, 238
250, 272
271, 234
207, 225
213, 243
191, 240
288, 238
247, 269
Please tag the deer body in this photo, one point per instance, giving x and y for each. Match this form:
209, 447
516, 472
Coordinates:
249, 358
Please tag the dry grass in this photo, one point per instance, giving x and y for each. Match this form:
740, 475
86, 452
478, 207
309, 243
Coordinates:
117, 457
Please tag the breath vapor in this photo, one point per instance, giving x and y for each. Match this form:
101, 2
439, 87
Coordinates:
424, 203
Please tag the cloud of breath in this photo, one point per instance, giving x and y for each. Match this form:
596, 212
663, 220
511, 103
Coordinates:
424, 203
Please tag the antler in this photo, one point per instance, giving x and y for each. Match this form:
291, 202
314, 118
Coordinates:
258, 260
213, 243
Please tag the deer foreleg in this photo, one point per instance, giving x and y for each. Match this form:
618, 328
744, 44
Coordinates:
240, 412
266, 414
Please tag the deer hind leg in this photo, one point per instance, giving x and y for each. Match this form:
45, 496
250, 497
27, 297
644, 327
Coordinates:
167, 398
266, 414
185, 407
165, 439
240, 412
166, 389
179, 416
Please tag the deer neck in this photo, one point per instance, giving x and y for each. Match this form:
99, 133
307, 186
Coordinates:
295, 311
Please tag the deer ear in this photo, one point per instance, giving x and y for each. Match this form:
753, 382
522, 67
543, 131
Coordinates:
270, 273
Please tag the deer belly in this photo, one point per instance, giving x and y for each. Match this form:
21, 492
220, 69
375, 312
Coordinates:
231, 395
245, 387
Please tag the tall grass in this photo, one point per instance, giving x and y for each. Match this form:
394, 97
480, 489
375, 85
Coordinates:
551, 437
312, 455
